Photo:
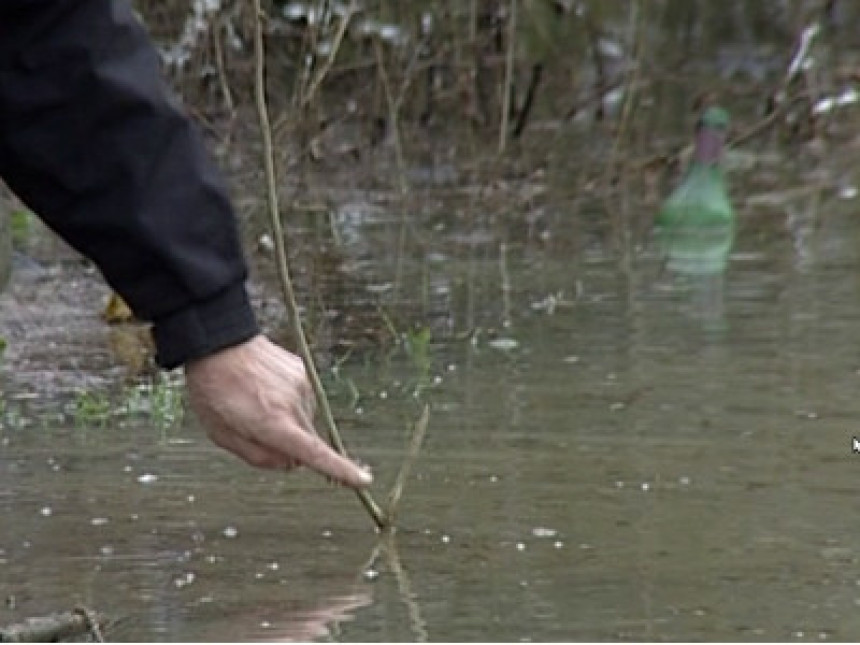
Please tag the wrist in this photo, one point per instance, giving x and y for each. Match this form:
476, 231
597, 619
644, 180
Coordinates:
205, 327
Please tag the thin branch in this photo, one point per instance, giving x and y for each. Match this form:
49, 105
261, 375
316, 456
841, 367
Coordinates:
223, 81
329, 61
283, 267
68, 625
507, 97
418, 432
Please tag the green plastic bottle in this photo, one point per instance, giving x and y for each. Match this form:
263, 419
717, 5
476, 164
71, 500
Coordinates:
695, 227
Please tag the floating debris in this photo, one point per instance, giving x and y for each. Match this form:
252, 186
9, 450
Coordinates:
230, 532
184, 580
384, 287
848, 192
370, 575
543, 532
504, 344
147, 478
46, 511
99, 521
266, 243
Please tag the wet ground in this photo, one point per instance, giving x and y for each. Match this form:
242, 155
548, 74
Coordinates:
614, 452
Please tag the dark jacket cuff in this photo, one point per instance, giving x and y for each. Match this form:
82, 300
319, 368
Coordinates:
224, 320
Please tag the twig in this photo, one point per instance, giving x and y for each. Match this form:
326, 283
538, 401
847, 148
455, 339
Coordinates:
402, 182
56, 627
223, 81
283, 267
329, 61
764, 123
599, 70
528, 101
506, 285
93, 623
630, 94
418, 432
753, 131
393, 105
509, 77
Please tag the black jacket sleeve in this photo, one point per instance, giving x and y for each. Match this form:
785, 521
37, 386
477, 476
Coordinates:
92, 140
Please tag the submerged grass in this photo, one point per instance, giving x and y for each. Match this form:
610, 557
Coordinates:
158, 401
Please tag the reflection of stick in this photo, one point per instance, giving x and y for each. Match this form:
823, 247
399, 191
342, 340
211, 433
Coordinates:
418, 432
53, 628
506, 285
283, 267
404, 586
630, 91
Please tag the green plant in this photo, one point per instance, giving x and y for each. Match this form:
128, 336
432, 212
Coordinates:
166, 406
19, 221
417, 343
91, 408
158, 399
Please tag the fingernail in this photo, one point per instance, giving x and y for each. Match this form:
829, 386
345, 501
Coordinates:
365, 477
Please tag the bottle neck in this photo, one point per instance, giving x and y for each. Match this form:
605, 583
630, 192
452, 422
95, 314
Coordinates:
709, 146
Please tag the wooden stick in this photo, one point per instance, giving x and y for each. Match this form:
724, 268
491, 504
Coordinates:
418, 432
507, 91
311, 92
56, 627
290, 301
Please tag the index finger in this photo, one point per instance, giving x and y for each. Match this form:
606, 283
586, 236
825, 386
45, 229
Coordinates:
317, 455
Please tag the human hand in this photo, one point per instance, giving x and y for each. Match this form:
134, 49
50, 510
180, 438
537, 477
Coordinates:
255, 400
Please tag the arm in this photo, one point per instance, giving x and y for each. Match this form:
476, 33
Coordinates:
93, 141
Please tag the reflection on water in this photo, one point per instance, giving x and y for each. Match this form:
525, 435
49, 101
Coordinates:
698, 255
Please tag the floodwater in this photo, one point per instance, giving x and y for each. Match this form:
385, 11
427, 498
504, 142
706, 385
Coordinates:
617, 462
614, 452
